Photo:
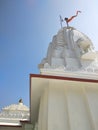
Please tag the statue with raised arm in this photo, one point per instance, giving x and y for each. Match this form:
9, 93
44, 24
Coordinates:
71, 18
68, 19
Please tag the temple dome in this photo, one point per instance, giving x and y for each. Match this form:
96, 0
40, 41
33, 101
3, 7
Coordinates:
16, 107
13, 113
70, 50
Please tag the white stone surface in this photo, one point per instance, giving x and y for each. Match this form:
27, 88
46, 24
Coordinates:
68, 105
12, 114
76, 74
70, 50
64, 104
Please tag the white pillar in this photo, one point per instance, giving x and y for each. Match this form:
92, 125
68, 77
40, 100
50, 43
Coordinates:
65, 107
53, 109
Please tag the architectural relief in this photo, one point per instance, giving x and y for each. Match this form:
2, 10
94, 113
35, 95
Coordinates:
14, 113
70, 50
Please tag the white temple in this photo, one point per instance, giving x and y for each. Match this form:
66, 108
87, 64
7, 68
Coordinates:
70, 53
13, 114
64, 96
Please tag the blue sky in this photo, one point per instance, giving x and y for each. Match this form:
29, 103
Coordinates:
26, 29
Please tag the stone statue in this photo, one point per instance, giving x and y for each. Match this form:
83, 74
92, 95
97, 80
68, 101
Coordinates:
71, 18
69, 50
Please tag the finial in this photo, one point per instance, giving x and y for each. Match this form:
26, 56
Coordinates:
20, 100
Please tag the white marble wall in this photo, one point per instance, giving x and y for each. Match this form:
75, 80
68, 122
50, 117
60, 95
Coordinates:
68, 108
70, 50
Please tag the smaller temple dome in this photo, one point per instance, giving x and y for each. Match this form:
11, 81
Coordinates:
16, 107
12, 114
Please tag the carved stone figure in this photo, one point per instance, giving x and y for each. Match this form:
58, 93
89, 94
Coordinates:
69, 50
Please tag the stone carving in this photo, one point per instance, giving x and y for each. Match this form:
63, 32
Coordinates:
70, 50
71, 18
19, 111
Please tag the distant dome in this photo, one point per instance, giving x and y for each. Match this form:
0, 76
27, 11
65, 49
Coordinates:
70, 50
14, 113
16, 107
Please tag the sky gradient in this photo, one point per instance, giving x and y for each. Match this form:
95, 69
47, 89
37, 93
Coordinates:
26, 29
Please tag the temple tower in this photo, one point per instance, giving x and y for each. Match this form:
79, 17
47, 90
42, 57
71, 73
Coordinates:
64, 96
